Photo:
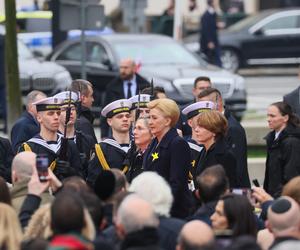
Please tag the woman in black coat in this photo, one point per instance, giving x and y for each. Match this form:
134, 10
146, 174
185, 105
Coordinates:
210, 131
283, 147
169, 154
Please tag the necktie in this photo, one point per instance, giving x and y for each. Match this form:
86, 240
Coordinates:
129, 94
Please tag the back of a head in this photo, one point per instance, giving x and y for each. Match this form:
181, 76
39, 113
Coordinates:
34, 96
94, 206
81, 86
23, 164
284, 216
210, 94
292, 190
212, 183
67, 213
133, 221
195, 235
121, 183
154, 189
75, 184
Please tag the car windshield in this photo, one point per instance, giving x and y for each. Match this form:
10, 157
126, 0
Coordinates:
23, 51
151, 52
245, 23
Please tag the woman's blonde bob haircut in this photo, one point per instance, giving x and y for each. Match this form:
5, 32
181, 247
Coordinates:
168, 107
213, 121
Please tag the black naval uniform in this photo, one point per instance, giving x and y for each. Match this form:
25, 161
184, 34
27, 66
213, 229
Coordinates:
85, 144
195, 154
171, 159
112, 153
52, 149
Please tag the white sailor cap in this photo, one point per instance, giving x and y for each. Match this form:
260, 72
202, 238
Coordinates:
197, 107
140, 101
65, 95
116, 107
50, 103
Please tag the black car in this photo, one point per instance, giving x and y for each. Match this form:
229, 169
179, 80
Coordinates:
271, 37
160, 57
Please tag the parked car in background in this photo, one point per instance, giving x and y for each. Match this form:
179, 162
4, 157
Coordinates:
162, 59
271, 37
34, 74
35, 30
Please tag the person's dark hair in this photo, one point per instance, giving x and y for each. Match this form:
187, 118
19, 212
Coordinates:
75, 184
212, 183
286, 109
201, 78
67, 213
156, 90
34, 244
239, 214
94, 206
81, 86
4, 192
208, 91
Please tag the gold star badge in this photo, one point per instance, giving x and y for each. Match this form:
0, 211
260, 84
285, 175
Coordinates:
154, 156
193, 163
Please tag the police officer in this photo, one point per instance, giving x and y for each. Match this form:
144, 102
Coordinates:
192, 112
84, 142
48, 142
111, 152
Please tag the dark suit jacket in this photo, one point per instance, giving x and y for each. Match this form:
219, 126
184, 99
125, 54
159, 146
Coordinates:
293, 99
237, 142
208, 31
173, 164
115, 91
24, 129
219, 153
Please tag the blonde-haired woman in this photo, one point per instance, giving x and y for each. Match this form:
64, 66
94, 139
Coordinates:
10, 228
169, 154
210, 131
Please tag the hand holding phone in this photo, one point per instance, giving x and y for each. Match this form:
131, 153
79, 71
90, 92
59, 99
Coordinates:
42, 164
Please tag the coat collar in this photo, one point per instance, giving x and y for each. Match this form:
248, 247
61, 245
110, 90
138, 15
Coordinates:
168, 137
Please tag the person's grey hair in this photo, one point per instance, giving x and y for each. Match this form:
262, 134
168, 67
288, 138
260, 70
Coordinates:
133, 220
154, 189
81, 86
32, 97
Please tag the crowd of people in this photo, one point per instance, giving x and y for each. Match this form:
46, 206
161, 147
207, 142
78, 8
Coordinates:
159, 178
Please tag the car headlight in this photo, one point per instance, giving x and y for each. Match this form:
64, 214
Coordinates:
63, 80
239, 83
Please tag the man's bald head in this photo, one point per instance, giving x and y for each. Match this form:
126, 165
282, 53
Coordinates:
194, 235
127, 69
134, 214
22, 166
284, 217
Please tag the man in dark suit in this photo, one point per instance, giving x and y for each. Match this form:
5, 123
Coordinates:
209, 43
235, 138
293, 99
85, 118
26, 126
126, 85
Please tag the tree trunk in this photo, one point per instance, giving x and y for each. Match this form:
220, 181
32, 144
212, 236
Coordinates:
13, 93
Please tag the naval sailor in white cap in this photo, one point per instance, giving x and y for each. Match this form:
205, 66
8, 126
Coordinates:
111, 152
83, 141
48, 142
